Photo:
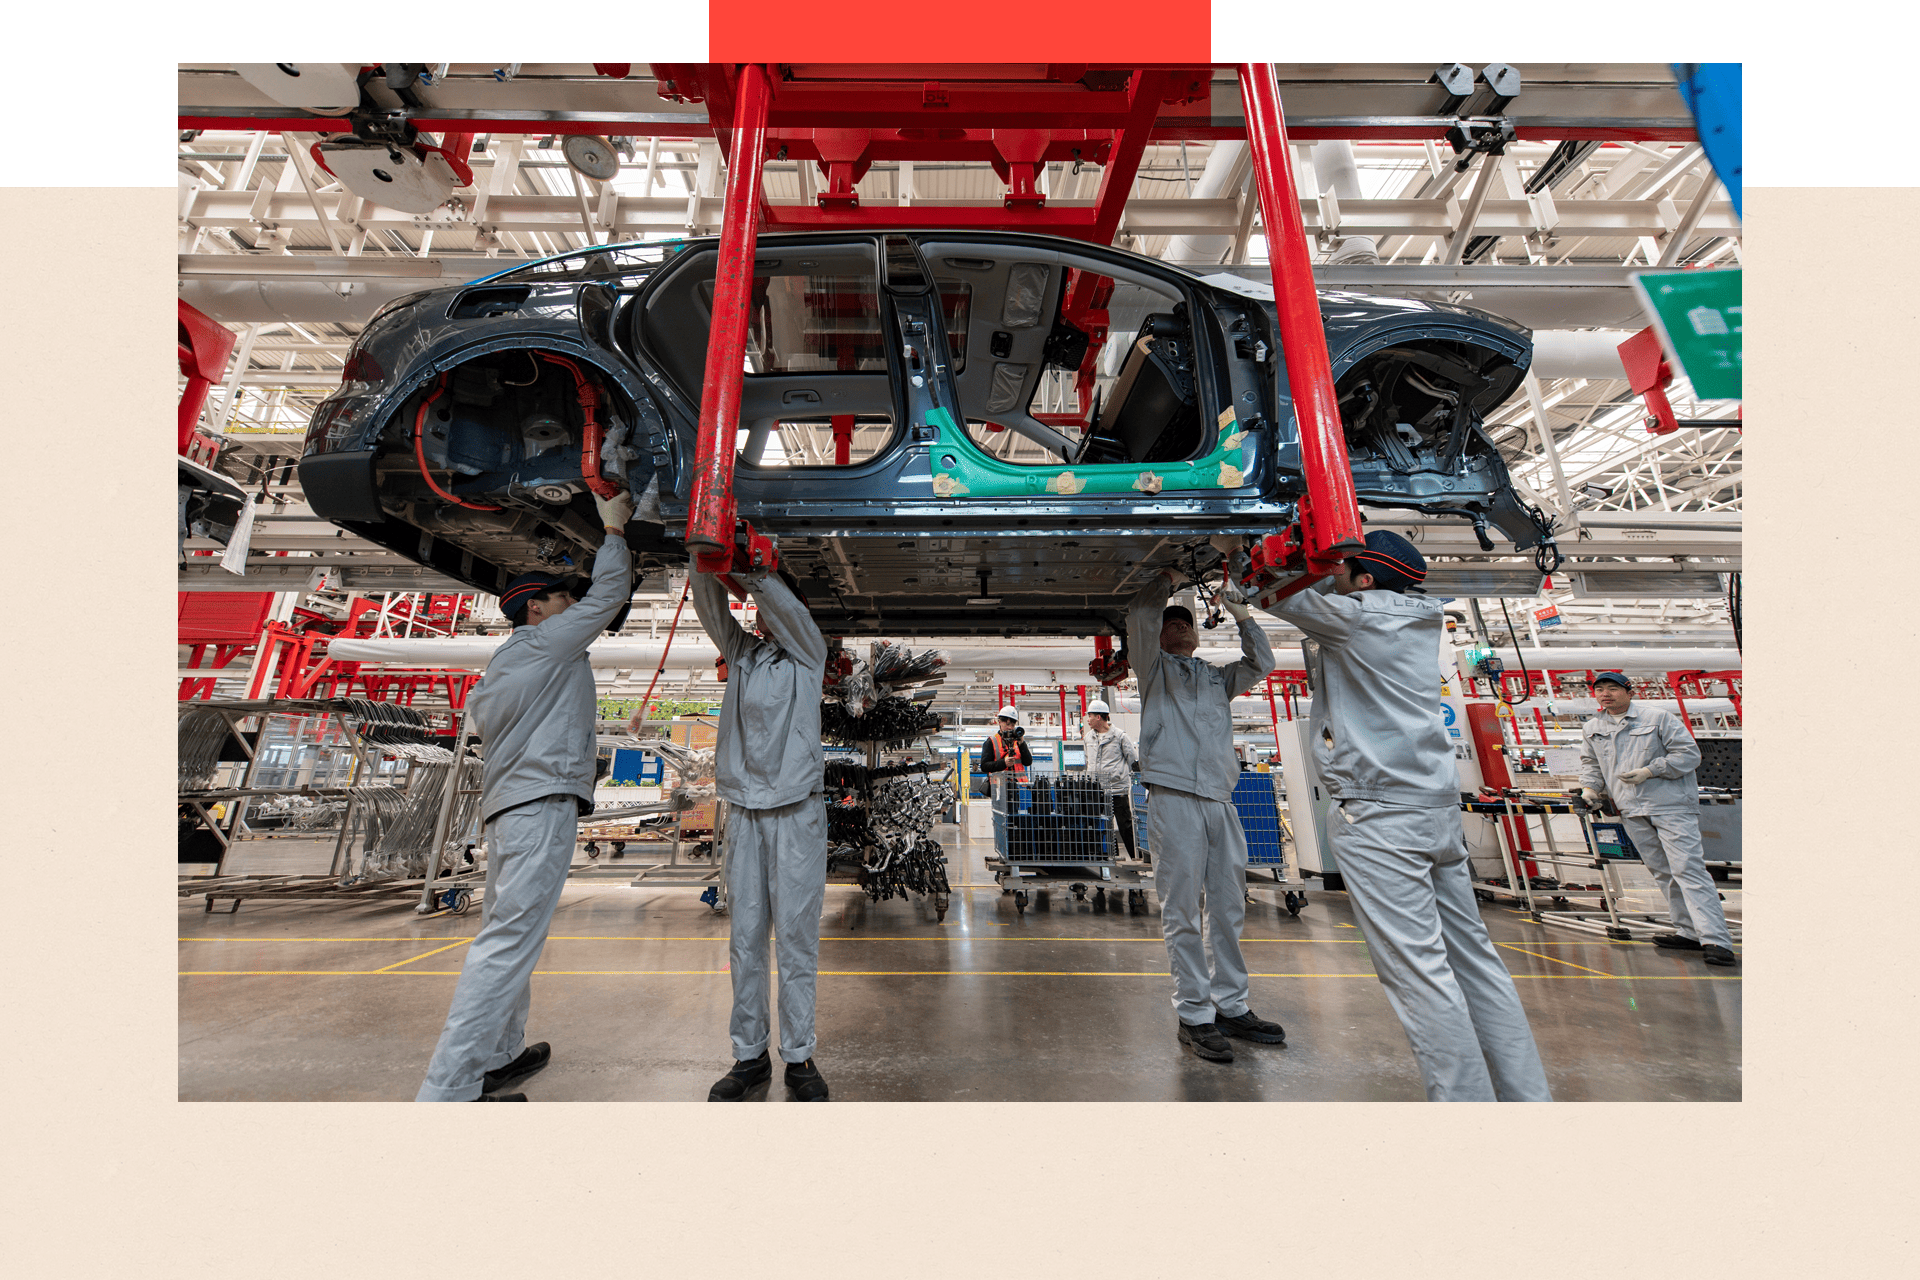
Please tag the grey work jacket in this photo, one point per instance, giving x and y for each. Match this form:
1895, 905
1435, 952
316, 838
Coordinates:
1110, 759
1186, 705
1644, 738
535, 709
1376, 725
768, 751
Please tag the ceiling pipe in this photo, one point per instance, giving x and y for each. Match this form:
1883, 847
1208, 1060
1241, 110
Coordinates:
1228, 165
1335, 170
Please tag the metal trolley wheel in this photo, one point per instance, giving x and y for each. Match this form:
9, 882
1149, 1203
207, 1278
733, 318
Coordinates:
1020, 901
458, 901
1295, 901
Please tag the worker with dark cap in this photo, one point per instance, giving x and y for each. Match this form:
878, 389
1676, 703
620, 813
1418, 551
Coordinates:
534, 711
1112, 761
769, 766
1384, 756
1644, 757
1188, 764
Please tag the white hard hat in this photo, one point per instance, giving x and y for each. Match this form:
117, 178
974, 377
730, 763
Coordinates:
1097, 709
1008, 713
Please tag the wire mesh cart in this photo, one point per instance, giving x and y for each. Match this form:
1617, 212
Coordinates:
1054, 829
1258, 804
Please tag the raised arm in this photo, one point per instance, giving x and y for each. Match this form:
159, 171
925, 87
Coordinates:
1256, 658
786, 619
572, 630
1143, 623
712, 604
1320, 613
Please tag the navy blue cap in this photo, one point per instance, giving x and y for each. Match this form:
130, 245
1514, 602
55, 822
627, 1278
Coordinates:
1615, 677
513, 601
1392, 561
1176, 612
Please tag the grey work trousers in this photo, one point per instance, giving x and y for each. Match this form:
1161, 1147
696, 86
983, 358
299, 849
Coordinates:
1198, 847
529, 848
776, 877
1407, 876
1670, 849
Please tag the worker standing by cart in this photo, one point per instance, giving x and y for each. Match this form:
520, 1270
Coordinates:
1193, 831
1006, 750
769, 765
1112, 761
1383, 755
534, 711
1645, 759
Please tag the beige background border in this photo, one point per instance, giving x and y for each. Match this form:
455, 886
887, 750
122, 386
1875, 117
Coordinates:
109, 1174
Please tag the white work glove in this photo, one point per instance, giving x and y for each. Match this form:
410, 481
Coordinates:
1636, 776
1591, 796
615, 511
1237, 608
1226, 543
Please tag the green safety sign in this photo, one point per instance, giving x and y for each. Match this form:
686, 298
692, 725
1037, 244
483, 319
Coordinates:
1698, 316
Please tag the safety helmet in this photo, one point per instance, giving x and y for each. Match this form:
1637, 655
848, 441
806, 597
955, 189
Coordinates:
1008, 713
1097, 709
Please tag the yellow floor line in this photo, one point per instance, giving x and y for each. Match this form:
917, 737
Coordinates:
423, 955
890, 973
1555, 960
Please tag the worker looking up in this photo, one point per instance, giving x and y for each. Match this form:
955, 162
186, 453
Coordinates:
1384, 757
1193, 831
1005, 749
1112, 761
768, 765
1645, 759
534, 711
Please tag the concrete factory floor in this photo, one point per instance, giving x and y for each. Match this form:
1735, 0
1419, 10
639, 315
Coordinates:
325, 1001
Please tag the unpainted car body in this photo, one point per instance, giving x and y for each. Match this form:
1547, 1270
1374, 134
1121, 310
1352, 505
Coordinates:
1155, 400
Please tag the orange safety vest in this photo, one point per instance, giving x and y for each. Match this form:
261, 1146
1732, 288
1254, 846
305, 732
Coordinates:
999, 745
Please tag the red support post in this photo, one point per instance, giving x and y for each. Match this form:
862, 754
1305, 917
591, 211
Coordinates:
1329, 511
842, 439
711, 513
204, 345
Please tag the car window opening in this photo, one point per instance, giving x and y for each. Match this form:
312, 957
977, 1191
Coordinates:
1110, 381
815, 442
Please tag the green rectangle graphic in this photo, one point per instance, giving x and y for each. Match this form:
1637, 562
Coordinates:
1698, 315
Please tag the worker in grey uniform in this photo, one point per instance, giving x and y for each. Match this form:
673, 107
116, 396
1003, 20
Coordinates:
1383, 754
1645, 759
534, 711
769, 766
1111, 760
1188, 763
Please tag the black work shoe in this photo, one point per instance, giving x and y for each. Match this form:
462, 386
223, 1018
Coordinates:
807, 1083
1676, 942
1206, 1041
1250, 1026
531, 1059
501, 1097
733, 1086
1722, 956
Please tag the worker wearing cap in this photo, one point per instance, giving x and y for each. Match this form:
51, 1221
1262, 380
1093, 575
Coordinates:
1384, 756
1188, 763
534, 711
769, 766
1111, 760
1006, 750
1645, 759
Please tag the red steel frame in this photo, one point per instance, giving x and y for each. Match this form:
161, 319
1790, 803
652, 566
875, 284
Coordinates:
845, 128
